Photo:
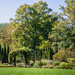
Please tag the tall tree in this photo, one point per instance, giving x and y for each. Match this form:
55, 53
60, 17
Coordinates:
7, 53
63, 35
32, 24
0, 52
5, 60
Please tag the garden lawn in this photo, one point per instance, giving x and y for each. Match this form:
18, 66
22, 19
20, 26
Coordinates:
35, 71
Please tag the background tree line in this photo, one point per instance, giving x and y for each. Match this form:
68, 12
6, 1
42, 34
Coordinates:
38, 33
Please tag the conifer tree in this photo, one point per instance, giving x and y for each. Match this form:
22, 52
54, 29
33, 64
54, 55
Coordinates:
5, 60
0, 52
7, 53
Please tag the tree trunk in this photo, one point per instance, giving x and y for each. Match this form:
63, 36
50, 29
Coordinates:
15, 59
25, 56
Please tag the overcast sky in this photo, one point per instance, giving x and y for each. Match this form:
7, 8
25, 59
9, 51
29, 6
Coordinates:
8, 7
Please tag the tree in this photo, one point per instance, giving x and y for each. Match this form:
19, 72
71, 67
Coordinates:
45, 50
0, 52
7, 53
32, 25
5, 60
68, 12
63, 34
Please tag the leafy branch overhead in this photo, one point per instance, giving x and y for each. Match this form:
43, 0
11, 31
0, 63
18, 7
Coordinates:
22, 49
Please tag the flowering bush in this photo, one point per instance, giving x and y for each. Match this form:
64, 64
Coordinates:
64, 65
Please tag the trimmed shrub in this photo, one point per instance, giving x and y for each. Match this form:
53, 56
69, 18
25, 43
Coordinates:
49, 61
31, 63
40, 63
37, 64
56, 63
71, 53
64, 65
62, 55
71, 61
44, 62
57, 67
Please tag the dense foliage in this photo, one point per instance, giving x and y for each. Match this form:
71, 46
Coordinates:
37, 33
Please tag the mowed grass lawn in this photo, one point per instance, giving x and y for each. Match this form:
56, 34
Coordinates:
35, 71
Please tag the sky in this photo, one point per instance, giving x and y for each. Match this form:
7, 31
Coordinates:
8, 7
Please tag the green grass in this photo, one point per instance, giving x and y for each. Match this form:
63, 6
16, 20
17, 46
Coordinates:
35, 71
